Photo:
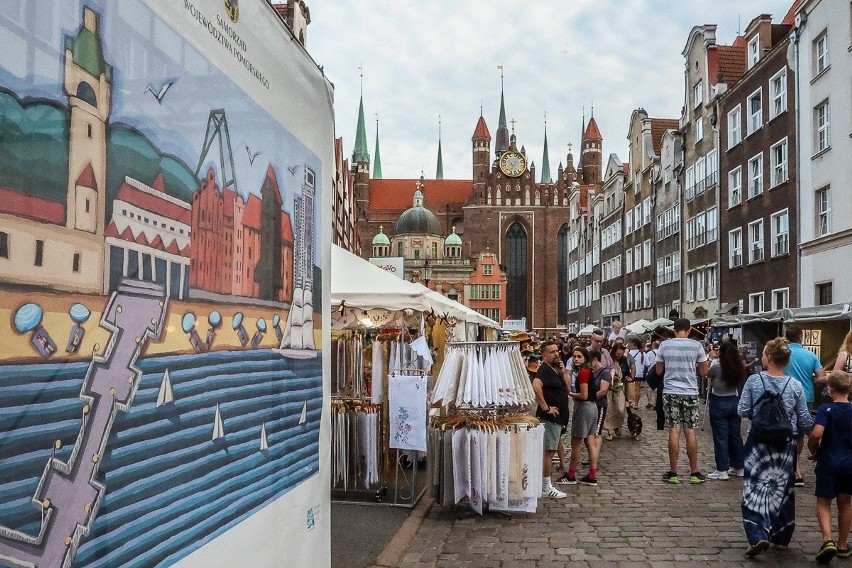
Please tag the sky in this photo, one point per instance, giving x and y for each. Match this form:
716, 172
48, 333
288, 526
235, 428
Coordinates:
421, 60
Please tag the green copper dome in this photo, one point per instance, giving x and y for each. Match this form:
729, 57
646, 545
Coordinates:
381, 238
417, 219
453, 240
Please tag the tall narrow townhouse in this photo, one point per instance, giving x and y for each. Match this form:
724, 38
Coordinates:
612, 279
596, 208
823, 54
700, 211
667, 205
581, 239
644, 137
758, 153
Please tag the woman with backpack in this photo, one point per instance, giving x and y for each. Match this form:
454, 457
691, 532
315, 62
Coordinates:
778, 411
727, 375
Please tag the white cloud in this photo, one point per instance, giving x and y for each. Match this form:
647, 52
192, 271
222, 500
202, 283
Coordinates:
424, 59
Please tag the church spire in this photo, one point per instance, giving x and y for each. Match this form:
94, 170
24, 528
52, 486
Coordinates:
361, 154
502, 142
545, 161
377, 157
439, 172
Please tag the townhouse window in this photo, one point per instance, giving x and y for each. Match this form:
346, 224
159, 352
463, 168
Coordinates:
735, 247
628, 222
676, 267
690, 286
646, 252
676, 219
735, 132
690, 234
824, 294
700, 176
487, 269
755, 111
755, 241
637, 216
778, 93
646, 211
660, 226
596, 290
821, 53
495, 291
699, 129
661, 271
700, 292
700, 229
735, 186
823, 211
646, 296
690, 182
697, 94
780, 227
823, 126
755, 176
712, 168
4, 244
712, 224
472, 291
780, 298
628, 260
753, 51
778, 162
637, 256
711, 275
755, 303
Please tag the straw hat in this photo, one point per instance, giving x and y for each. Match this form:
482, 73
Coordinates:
519, 336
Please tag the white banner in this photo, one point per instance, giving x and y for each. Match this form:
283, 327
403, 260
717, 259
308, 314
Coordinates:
392, 264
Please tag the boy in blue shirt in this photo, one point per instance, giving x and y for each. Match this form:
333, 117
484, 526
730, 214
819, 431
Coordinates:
830, 444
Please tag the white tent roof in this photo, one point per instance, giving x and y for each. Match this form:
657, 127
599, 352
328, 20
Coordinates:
588, 330
638, 327
359, 284
459, 310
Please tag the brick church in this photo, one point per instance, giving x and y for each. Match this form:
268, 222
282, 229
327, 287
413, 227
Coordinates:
501, 210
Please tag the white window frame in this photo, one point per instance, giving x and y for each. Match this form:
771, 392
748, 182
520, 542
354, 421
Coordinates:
778, 93
755, 176
699, 128
700, 175
690, 286
637, 256
822, 124
735, 126
628, 260
735, 247
780, 232
712, 278
690, 182
712, 224
755, 116
628, 299
776, 305
753, 51
712, 168
778, 162
735, 187
821, 53
755, 303
698, 94
628, 222
756, 250
700, 290
646, 211
646, 253
822, 208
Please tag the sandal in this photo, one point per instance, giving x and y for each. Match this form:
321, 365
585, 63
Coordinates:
757, 548
844, 552
827, 552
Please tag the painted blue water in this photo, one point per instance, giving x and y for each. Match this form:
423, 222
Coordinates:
170, 488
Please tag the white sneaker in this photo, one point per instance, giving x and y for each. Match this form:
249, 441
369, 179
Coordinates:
736, 472
554, 493
718, 475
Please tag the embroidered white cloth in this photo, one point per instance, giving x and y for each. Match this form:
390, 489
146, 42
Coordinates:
407, 412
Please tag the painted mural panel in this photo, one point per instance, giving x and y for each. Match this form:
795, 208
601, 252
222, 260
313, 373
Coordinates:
160, 280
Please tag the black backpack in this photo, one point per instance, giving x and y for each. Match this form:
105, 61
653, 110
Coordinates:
770, 424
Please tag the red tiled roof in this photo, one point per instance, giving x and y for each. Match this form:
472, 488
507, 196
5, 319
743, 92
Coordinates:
790, 18
398, 194
31, 207
481, 130
159, 183
251, 217
87, 178
154, 204
592, 131
286, 228
658, 128
731, 62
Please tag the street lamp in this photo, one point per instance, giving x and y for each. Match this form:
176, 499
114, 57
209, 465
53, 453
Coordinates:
427, 272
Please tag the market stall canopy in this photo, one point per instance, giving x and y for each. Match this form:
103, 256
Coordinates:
763, 317
638, 327
586, 331
445, 306
356, 283
821, 313
658, 323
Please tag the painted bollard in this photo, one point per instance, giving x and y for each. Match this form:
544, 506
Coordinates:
237, 324
28, 318
79, 314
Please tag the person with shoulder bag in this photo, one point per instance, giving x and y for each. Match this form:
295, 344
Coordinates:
778, 410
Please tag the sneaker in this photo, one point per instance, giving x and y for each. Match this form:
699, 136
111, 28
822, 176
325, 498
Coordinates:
718, 475
586, 480
554, 493
799, 482
565, 480
670, 477
736, 472
697, 477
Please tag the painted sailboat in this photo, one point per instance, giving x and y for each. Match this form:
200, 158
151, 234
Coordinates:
297, 341
166, 395
218, 426
304, 417
264, 440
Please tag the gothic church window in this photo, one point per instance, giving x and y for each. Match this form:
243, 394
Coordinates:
516, 271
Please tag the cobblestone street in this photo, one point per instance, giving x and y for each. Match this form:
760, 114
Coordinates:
630, 519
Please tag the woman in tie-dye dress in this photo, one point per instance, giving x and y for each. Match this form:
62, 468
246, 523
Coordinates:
769, 503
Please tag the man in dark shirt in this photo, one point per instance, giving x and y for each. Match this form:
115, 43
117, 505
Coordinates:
551, 386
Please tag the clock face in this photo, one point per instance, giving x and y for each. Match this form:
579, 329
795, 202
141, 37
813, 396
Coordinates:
513, 164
